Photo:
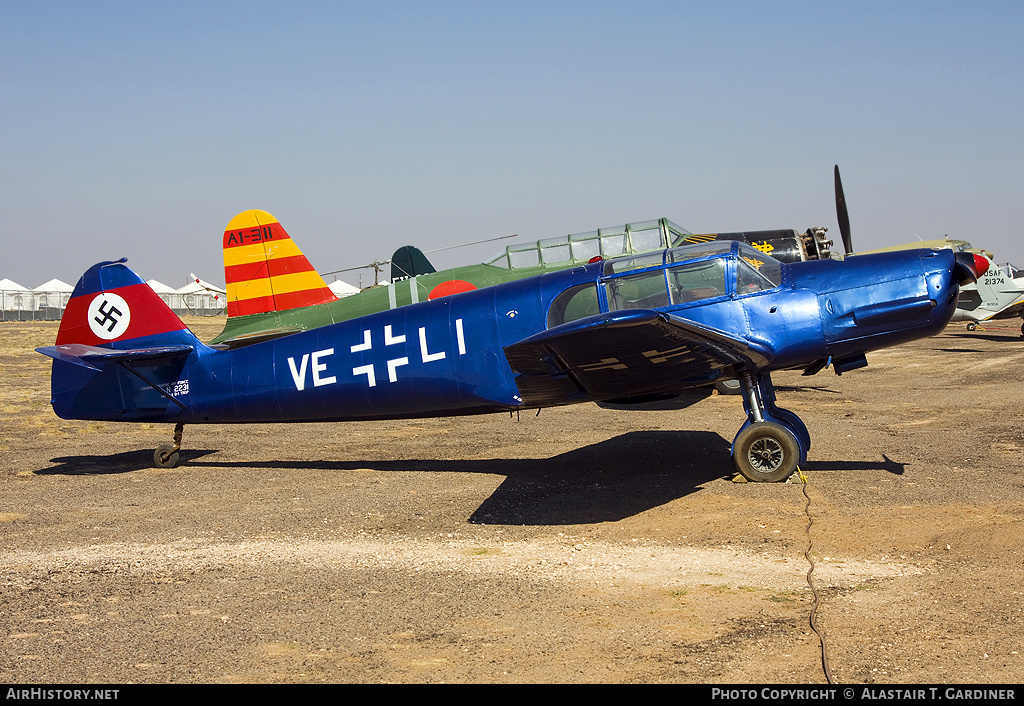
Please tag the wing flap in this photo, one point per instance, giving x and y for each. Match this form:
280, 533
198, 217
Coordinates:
626, 353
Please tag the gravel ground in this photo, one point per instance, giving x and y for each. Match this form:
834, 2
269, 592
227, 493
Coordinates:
579, 545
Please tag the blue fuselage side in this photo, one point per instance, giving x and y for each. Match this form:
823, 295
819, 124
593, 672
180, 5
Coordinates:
446, 357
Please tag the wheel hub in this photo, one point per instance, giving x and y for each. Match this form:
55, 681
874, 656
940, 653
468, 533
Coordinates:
766, 455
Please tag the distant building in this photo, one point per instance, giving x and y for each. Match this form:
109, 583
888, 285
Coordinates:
44, 303
47, 301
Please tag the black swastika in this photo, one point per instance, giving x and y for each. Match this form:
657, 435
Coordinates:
110, 315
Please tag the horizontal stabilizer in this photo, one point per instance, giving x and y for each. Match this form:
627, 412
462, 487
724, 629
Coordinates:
86, 356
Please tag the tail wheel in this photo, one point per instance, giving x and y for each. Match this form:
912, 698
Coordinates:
166, 456
766, 452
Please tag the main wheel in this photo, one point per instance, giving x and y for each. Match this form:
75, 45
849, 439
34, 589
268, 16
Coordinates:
165, 456
728, 387
766, 452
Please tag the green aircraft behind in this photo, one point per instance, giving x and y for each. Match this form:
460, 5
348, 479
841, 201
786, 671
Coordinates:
273, 290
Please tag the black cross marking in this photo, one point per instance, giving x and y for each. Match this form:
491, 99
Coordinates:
110, 315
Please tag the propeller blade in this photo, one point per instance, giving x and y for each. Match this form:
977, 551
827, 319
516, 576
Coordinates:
843, 215
966, 269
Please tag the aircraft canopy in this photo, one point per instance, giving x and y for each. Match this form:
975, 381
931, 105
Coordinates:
605, 243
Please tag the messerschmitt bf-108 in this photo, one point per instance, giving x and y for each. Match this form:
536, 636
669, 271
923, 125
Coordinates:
638, 328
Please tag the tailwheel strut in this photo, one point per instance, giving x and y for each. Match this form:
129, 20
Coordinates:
166, 455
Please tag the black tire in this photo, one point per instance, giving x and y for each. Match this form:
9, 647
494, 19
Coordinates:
728, 387
165, 457
972, 326
766, 452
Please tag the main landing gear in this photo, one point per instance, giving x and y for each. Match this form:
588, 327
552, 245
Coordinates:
773, 441
166, 455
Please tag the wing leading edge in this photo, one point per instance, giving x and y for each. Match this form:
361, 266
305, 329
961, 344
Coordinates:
630, 353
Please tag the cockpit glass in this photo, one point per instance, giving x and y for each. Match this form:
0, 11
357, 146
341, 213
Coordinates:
678, 276
756, 272
574, 303
694, 281
693, 252
637, 262
645, 290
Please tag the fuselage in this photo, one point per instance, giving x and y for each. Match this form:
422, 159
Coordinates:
446, 356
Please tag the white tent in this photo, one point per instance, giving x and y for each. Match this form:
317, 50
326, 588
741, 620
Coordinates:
53, 294
160, 288
163, 291
342, 289
54, 285
200, 297
13, 296
7, 285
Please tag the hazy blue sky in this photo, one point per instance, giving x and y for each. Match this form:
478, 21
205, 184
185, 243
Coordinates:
138, 130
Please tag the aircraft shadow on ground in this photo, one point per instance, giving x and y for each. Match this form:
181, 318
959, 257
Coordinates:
783, 389
988, 337
886, 464
112, 464
604, 482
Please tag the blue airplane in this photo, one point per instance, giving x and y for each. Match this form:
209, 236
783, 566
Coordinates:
624, 330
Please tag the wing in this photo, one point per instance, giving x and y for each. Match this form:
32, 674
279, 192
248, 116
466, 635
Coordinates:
629, 353
1011, 311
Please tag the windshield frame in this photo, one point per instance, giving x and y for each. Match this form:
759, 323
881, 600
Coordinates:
661, 265
729, 252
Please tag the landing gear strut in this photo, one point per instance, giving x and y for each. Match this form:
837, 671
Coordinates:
773, 441
166, 455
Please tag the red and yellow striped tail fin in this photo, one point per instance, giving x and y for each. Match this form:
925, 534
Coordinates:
265, 270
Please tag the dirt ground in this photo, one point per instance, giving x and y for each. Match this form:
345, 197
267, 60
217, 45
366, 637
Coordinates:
578, 545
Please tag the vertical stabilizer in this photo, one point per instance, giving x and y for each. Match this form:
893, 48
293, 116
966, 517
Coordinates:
121, 353
265, 270
409, 261
111, 305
